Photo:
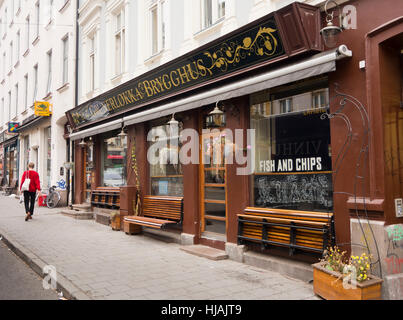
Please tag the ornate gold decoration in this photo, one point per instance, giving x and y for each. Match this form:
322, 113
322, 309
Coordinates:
137, 203
264, 44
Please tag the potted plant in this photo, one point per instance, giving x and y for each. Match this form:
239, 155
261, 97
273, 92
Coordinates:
336, 278
115, 220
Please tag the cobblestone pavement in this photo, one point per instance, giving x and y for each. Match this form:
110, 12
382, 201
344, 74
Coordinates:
106, 264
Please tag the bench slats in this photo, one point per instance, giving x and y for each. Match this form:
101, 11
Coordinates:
158, 212
309, 231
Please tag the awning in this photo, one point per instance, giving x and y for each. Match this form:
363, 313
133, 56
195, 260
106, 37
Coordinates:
31, 123
316, 65
109, 126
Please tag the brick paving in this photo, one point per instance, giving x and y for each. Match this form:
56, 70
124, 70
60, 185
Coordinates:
106, 264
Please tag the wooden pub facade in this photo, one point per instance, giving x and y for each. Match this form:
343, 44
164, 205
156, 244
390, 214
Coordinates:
325, 122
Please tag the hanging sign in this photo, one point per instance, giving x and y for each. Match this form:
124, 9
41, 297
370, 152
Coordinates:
42, 109
13, 127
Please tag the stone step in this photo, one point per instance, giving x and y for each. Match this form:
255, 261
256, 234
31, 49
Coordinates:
102, 218
79, 215
82, 207
292, 268
205, 252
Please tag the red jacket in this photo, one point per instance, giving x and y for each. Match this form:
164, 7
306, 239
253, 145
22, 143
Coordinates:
34, 176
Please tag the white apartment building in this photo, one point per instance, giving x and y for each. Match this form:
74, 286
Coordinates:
37, 59
122, 39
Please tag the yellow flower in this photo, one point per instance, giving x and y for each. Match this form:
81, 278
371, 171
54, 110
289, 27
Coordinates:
365, 276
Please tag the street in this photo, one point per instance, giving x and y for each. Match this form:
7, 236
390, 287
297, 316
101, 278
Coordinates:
95, 262
18, 281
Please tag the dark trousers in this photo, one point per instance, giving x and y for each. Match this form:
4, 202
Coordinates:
29, 200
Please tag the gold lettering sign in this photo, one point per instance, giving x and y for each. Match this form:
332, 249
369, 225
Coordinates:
252, 46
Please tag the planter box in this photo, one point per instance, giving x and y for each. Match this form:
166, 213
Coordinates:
327, 285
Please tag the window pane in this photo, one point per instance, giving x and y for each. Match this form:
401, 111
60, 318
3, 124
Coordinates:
293, 168
221, 8
208, 13
114, 162
154, 26
166, 172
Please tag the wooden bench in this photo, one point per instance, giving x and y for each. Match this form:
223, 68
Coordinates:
9, 189
105, 197
158, 213
297, 230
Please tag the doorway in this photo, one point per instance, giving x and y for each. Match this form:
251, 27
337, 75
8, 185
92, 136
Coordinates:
88, 171
213, 183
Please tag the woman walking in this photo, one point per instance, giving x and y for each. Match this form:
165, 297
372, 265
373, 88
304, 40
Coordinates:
30, 194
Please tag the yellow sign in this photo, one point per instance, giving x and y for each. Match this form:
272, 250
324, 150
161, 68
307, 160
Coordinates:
42, 108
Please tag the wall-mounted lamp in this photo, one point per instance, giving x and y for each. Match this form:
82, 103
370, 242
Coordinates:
173, 121
122, 133
90, 142
82, 144
330, 33
215, 118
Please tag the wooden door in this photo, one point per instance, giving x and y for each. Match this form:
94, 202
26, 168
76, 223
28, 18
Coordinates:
213, 183
88, 172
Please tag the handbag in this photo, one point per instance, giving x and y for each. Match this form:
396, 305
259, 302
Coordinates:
27, 182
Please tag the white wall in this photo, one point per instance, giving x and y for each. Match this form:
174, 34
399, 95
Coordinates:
183, 35
51, 32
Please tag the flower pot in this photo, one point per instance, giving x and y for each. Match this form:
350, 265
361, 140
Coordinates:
329, 285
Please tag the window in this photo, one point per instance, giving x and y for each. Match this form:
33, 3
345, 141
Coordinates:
49, 14
11, 56
27, 31
2, 112
114, 152
165, 170
211, 12
120, 46
158, 19
18, 45
65, 59
9, 106
26, 151
37, 15
49, 82
26, 92
92, 63
4, 64
293, 167
35, 86
16, 101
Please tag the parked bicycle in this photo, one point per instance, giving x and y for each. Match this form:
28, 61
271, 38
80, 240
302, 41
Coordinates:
52, 198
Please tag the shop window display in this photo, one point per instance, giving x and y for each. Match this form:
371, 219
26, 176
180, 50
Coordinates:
166, 173
114, 161
293, 154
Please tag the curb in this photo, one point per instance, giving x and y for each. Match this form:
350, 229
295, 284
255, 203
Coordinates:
69, 290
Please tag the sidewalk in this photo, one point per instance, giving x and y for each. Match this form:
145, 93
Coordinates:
94, 262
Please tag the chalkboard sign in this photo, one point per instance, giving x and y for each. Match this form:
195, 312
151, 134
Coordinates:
310, 191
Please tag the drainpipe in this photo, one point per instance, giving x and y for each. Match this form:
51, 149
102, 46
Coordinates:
73, 196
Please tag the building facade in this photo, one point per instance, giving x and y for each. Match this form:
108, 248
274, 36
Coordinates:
38, 64
325, 121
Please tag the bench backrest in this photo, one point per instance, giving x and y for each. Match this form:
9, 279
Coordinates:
169, 208
308, 216
292, 228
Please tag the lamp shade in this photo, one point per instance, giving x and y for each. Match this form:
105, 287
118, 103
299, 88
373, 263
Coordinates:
330, 35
